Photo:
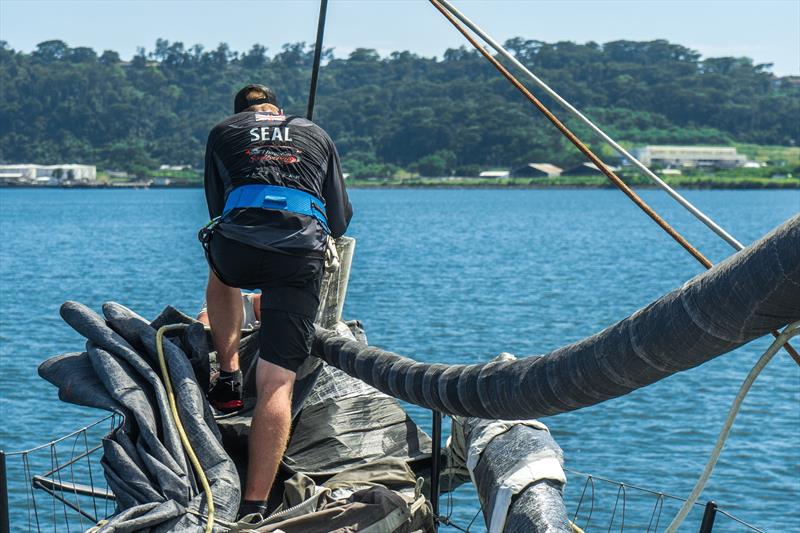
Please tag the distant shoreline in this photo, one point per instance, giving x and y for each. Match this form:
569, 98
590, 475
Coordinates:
716, 186
778, 185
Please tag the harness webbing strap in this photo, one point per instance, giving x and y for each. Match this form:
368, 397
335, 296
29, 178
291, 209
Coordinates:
278, 198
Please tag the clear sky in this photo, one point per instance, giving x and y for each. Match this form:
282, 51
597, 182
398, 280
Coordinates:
766, 30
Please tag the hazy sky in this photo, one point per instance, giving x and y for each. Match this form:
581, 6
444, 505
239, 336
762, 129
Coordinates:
767, 31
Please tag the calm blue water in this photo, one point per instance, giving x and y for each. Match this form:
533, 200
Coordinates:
447, 276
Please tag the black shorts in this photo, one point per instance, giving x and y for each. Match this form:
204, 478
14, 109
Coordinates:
290, 288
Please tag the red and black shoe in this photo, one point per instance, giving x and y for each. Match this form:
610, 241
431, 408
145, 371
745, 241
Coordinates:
226, 394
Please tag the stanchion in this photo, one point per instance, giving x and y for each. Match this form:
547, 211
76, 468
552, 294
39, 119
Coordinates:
436, 467
708, 518
4, 520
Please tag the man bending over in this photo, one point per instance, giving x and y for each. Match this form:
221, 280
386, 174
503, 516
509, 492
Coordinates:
275, 194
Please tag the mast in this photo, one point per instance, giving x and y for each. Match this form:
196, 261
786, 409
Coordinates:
312, 92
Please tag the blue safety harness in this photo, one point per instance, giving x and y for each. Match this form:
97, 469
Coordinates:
279, 198
264, 197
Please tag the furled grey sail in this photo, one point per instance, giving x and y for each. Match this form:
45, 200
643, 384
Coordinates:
143, 460
744, 297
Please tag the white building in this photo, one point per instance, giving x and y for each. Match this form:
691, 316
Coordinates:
26, 174
497, 174
690, 156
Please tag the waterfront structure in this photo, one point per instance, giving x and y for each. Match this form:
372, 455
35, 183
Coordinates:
497, 174
671, 172
537, 170
30, 174
689, 156
587, 169
117, 174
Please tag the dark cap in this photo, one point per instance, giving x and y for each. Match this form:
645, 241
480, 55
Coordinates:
241, 102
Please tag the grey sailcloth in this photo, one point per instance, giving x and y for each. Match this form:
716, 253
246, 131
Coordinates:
516, 467
744, 297
144, 462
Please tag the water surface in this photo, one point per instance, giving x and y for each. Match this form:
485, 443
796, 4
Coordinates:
450, 276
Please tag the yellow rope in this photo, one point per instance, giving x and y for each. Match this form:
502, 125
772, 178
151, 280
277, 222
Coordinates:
162, 362
575, 527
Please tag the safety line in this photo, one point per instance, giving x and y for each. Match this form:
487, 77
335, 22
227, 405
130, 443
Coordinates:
621, 185
187, 446
790, 331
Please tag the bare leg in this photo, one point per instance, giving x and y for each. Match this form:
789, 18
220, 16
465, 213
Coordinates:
269, 429
257, 305
225, 318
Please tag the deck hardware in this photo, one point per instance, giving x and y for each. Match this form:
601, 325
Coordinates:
708, 517
4, 522
436, 467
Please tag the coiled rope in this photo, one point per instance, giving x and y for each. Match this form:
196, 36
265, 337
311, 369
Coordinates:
621, 185
187, 446
790, 331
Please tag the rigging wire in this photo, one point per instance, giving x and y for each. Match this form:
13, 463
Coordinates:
576, 141
621, 185
705, 219
312, 92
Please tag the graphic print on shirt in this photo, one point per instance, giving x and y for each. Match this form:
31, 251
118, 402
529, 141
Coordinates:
285, 155
266, 150
270, 133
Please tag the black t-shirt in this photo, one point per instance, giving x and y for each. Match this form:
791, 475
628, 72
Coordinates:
256, 147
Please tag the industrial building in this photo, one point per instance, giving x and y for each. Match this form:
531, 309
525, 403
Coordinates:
25, 174
537, 170
497, 174
587, 169
689, 156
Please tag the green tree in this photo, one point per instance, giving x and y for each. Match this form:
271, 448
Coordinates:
384, 112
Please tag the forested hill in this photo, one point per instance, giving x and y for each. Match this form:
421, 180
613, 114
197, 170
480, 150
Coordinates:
62, 104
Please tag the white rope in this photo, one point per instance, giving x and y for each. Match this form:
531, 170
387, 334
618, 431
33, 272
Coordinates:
790, 331
332, 261
702, 217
